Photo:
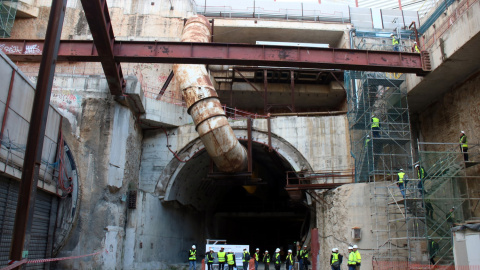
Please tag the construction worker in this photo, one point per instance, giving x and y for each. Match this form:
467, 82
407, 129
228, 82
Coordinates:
358, 257
402, 177
336, 259
231, 260
266, 260
421, 178
222, 256
210, 259
289, 260
256, 256
245, 258
394, 42
192, 258
375, 126
277, 260
352, 262
433, 249
303, 259
464, 145
415, 47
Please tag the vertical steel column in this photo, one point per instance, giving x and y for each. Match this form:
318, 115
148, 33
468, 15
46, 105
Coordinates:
315, 248
292, 87
265, 95
7, 105
249, 153
36, 134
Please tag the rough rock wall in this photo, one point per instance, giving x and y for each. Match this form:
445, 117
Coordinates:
457, 110
102, 207
346, 207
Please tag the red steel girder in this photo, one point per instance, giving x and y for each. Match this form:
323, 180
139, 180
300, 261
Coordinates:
98, 18
225, 54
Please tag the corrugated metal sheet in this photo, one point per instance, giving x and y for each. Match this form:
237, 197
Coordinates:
41, 222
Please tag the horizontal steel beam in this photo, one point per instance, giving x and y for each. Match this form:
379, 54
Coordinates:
224, 54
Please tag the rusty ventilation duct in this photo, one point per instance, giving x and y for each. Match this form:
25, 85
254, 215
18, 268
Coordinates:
204, 106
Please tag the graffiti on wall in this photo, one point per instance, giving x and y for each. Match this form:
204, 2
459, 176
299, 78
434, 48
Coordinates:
67, 100
14, 49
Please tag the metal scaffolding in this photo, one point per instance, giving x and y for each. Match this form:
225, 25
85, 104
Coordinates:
450, 197
380, 151
8, 10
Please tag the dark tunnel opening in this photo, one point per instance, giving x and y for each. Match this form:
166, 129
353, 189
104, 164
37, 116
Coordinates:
262, 216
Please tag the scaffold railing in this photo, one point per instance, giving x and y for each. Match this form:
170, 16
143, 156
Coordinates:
447, 194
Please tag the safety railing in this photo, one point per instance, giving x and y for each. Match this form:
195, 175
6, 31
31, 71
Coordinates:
319, 179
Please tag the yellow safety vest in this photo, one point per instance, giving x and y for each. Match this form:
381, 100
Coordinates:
290, 259
257, 256
210, 257
394, 41
400, 177
221, 256
193, 255
464, 144
416, 49
230, 259
421, 173
303, 254
334, 258
358, 258
351, 259
266, 258
245, 253
277, 260
375, 122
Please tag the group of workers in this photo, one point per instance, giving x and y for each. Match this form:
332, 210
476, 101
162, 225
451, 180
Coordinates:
228, 257
395, 44
354, 258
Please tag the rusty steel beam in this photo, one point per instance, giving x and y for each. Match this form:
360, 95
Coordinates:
246, 80
224, 54
22, 231
165, 85
98, 18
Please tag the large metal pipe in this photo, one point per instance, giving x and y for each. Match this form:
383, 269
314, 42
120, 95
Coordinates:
205, 107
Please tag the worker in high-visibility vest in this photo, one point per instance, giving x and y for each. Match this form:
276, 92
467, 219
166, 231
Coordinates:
222, 257
256, 257
402, 178
358, 257
303, 259
336, 259
276, 259
394, 42
210, 258
289, 261
245, 258
375, 126
464, 145
231, 260
415, 47
352, 262
421, 178
266, 260
192, 258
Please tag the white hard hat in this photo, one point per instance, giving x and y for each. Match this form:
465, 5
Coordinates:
266, 251
305, 246
392, 35
415, 42
257, 249
336, 249
350, 247
277, 250
463, 132
355, 246
333, 249
194, 247
211, 249
416, 166
401, 169
289, 251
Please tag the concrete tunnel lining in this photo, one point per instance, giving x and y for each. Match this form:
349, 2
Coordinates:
283, 148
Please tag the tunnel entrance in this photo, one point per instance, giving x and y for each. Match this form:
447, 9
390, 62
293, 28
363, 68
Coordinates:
261, 215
